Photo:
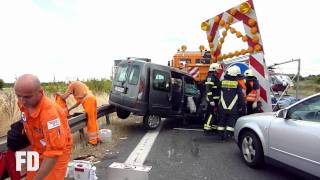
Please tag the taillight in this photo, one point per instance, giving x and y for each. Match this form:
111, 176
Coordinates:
141, 89
141, 86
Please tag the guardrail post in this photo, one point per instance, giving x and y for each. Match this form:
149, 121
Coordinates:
108, 119
81, 134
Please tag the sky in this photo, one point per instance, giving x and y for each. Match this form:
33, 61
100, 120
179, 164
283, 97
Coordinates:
63, 39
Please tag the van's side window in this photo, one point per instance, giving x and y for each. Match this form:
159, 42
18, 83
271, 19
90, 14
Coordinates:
161, 81
121, 74
134, 75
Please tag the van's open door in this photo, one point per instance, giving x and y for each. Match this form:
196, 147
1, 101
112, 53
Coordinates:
160, 92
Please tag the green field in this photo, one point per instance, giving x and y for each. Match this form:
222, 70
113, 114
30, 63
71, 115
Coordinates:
307, 87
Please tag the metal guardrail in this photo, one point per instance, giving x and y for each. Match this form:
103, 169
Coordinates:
76, 122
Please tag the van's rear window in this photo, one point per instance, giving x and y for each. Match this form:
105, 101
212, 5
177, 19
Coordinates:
134, 75
121, 74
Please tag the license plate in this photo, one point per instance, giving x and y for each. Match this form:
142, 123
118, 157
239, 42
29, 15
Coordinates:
119, 89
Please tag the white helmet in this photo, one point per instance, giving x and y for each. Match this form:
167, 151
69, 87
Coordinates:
248, 72
233, 71
214, 67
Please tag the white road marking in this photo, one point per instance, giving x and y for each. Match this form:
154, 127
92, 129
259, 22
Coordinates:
140, 153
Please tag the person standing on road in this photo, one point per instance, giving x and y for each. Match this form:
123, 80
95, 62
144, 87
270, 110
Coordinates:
242, 83
213, 89
231, 103
84, 96
46, 127
252, 91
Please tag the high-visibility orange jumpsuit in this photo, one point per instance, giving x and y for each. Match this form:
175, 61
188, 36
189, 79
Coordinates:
242, 83
83, 95
253, 93
62, 103
49, 134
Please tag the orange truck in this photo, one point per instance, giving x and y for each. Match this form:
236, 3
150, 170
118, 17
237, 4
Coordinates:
195, 63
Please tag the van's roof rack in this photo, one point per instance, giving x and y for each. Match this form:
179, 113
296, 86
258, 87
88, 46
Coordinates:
138, 58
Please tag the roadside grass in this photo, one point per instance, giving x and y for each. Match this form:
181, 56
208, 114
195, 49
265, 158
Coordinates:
8, 110
307, 87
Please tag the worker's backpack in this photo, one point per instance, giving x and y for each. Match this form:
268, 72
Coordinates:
16, 137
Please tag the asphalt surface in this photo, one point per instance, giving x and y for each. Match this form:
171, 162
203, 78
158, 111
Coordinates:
189, 155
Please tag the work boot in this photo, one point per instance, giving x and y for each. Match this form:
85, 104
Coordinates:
230, 134
206, 132
215, 131
223, 135
92, 145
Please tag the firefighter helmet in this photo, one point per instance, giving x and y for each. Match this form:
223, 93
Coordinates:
214, 67
233, 71
248, 72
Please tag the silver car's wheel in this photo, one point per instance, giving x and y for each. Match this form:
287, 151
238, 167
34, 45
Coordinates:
151, 121
248, 150
251, 149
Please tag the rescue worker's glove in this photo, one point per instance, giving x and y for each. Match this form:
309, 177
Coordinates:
16, 137
212, 104
254, 105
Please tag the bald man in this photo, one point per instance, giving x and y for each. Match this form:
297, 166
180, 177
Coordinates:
47, 129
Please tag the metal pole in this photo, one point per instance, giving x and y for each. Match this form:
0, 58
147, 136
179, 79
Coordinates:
108, 119
298, 80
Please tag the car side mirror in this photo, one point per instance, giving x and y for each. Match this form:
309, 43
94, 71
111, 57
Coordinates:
282, 113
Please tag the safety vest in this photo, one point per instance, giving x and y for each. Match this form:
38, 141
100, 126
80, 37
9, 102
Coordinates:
230, 85
252, 96
242, 83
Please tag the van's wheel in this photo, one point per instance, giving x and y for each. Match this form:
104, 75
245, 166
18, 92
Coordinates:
123, 114
251, 149
185, 122
151, 121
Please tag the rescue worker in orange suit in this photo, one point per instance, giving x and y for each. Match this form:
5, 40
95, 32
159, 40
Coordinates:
83, 95
213, 89
46, 127
62, 103
231, 103
252, 92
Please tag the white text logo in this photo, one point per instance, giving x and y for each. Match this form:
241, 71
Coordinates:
29, 157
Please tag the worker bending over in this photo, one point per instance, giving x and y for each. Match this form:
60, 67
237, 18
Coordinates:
84, 96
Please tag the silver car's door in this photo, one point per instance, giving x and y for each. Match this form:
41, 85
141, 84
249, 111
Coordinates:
295, 140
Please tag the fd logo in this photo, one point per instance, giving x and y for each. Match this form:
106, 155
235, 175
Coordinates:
32, 160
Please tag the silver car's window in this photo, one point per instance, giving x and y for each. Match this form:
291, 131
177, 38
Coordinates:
308, 110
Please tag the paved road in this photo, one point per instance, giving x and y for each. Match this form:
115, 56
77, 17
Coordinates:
188, 155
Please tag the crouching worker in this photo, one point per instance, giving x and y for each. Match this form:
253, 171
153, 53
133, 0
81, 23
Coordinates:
46, 127
232, 102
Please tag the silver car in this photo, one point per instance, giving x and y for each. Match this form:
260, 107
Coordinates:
290, 137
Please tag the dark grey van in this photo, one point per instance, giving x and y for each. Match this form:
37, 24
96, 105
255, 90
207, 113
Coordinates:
153, 91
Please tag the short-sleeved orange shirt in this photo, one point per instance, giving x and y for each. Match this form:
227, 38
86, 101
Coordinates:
47, 129
79, 90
